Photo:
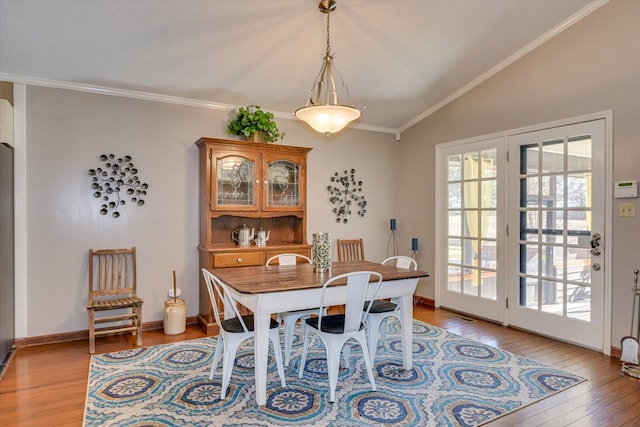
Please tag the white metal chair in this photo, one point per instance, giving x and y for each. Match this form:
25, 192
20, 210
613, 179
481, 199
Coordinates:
290, 318
233, 331
380, 310
335, 330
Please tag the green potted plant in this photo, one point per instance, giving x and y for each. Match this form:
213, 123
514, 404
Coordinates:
255, 124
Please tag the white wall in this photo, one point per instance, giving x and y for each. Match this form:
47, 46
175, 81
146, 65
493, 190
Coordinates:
66, 133
591, 67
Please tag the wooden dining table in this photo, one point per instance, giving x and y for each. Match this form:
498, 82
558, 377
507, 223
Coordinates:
266, 290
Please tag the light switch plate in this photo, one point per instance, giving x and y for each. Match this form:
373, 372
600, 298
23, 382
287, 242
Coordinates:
627, 209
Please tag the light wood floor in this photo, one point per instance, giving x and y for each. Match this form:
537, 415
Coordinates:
46, 385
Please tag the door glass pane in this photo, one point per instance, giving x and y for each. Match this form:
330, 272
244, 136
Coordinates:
470, 166
488, 254
454, 255
454, 199
471, 281
472, 224
553, 191
531, 221
529, 292
552, 297
455, 223
529, 259
553, 156
283, 183
579, 265
529, 159
471, 195
577, 190
488, 222
531, 195
454, 166
489, 195
489, 163
553, 226
577, 222
551, 261
488, 285
455, 279
579, 153
235, 177
469, 252
579, 302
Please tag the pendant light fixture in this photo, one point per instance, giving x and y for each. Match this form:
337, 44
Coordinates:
323, 112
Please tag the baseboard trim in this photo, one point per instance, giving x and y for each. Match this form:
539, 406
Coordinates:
417, 299
158, 324
615, 352
83, 335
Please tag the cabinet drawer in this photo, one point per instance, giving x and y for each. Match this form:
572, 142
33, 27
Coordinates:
237, 259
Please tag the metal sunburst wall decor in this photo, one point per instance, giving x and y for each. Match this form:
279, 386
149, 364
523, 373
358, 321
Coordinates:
344, 192
115, 180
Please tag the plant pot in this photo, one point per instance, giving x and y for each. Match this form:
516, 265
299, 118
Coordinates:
256, 137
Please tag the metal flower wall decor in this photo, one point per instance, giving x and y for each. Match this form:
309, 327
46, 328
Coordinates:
117, 177
343, 190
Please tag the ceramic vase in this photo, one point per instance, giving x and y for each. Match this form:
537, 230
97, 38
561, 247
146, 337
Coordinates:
321, 252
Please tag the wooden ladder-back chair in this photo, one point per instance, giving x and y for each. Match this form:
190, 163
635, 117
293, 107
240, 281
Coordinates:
350, 250
112, 286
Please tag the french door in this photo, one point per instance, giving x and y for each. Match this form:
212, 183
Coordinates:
472, 224
556, 246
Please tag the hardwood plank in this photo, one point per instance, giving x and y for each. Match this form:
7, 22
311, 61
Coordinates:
46, 384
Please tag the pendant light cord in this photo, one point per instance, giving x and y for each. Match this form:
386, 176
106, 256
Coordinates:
328, 31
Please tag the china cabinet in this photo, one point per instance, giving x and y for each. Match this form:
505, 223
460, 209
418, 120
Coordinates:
249, 185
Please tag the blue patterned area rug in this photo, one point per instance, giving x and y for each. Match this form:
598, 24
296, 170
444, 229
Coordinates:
454, 382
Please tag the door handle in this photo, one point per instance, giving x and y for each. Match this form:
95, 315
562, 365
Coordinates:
595, 244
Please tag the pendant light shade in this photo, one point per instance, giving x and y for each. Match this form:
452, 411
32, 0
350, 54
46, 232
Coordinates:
327, 119
322, 111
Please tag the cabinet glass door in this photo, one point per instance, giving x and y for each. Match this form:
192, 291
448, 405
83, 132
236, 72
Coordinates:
235, 177
283, 184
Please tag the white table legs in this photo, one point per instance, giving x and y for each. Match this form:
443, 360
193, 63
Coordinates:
406, 327
277, 302
261, 355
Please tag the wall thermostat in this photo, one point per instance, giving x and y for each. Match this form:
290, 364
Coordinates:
626, 189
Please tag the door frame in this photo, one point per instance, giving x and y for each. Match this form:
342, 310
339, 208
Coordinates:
440, 258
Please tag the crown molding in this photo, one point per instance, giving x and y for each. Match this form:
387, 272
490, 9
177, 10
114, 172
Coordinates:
104, 90
149, 96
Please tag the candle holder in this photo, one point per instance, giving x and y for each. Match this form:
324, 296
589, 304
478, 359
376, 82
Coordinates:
414, 249
392, 242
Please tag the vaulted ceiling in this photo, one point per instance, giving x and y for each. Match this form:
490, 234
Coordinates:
402, 59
